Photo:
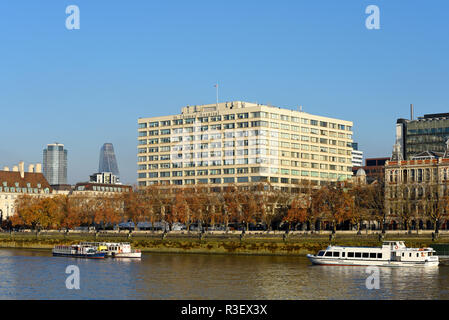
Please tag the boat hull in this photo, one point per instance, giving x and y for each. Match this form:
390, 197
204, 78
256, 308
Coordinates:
127, 255
79, 255
361, 262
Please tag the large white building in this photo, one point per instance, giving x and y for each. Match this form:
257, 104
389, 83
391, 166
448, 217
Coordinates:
240, 142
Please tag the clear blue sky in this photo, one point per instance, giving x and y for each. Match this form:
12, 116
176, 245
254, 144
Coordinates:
145, 58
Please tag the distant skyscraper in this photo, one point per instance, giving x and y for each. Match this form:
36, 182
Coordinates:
55, 164
108, 163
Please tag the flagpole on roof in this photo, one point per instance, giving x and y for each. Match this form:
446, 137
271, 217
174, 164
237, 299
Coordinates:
216, 86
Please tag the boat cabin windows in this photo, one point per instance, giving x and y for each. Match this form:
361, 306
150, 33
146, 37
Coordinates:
370, 255
349, 255
335, 254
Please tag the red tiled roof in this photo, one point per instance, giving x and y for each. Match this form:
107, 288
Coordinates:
13, 177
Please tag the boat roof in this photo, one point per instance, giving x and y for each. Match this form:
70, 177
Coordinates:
362, 247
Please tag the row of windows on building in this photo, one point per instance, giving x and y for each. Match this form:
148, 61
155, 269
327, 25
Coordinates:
303, 173
16, 184
23, 190
428, 131
239, 116
180, 152
243, 161
178, 165
414, 193
244, 143
103, 189
263, 169
231, 180
227, 127
415, 175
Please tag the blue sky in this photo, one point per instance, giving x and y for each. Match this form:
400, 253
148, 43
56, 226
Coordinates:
145, 58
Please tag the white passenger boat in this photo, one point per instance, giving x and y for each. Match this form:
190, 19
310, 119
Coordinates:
122, 250
116, 249
78, 251
391, 254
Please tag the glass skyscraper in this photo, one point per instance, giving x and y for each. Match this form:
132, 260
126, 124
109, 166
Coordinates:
428, 133
55, 164
108, 162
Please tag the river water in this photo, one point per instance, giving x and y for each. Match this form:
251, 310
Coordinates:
32, 274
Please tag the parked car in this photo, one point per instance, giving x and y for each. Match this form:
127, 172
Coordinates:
178, 226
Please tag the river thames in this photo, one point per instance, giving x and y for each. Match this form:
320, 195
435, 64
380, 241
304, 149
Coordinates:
33, 274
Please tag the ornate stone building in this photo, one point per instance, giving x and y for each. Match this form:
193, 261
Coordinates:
416, 190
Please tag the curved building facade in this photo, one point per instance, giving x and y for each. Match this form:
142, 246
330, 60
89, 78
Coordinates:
108, 162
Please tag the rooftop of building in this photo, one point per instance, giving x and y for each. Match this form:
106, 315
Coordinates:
426, 117
30, 180
241, 106
434, 115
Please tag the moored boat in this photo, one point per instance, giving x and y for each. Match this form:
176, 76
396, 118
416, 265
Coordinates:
78, 251
391, 254
115, 249
122, 250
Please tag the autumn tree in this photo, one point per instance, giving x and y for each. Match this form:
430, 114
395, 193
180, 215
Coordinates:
296, 213
376, 200
230, 203
178, 208
197, 204
361, 194
154, 198
335, 204
74, 215
435, 203
249, 208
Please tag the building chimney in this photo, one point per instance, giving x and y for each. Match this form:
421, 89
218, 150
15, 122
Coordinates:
22, 169
31, 168
38, 168
411, 112
5, 169
15, 168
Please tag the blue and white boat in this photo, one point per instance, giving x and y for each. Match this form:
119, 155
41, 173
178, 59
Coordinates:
78, 251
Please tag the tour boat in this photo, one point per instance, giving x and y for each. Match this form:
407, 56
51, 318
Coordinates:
78, 251
115, 249
391, 254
